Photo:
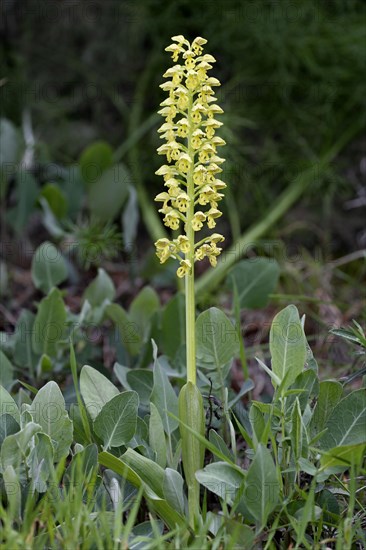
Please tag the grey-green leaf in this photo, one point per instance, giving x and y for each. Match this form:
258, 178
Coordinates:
94, 160
164, 398
287, 345
48, 267
116, 422
48, 410
222, 479
157, 436
96, 390
8, 405
261, 487
330, 393
255, 279
346, 425
8, 426
217, 339
100, 289
49, 324
40, 462
6, 370
108, 194
173, 489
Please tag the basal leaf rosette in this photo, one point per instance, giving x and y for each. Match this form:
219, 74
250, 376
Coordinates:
192, 169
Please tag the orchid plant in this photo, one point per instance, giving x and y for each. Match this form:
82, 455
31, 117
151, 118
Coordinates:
190, 203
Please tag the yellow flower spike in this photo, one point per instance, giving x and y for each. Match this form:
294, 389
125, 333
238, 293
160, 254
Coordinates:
184, 269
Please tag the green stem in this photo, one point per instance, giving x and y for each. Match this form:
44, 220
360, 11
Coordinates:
190, 297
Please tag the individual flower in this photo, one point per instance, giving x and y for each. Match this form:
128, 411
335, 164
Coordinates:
184, 268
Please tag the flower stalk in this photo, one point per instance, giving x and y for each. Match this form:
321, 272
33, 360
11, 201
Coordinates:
190, 204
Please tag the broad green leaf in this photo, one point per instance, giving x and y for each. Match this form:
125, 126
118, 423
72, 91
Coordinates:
287, 346
157, 436
330, 393
13, 492
241, 535
164, 398
222, 479
108, 194
170, 516
24, 355
73, 188
26, 195
142, 309
48, 410
96, 390
328, 502
8, 405
173, 490
100, 289
10, 142
116, 422
255, 279
94, 160
84, 463
347, 423
40, 462
56, 199
48, 267
305, 385
261, 487
130, 219
217, 440
173, 325
141, 381
6, 370
49, 324
257, 422
15, 446
344, 455
217, 339
50, 221
150, 472
246, 387
8, 426
129, 331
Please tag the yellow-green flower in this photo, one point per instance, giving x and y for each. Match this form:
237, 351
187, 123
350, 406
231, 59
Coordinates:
184, 269
190, 146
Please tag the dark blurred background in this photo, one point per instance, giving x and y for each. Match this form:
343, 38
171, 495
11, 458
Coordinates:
76, 72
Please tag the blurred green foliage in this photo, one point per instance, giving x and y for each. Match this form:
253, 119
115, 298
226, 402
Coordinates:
292, 75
